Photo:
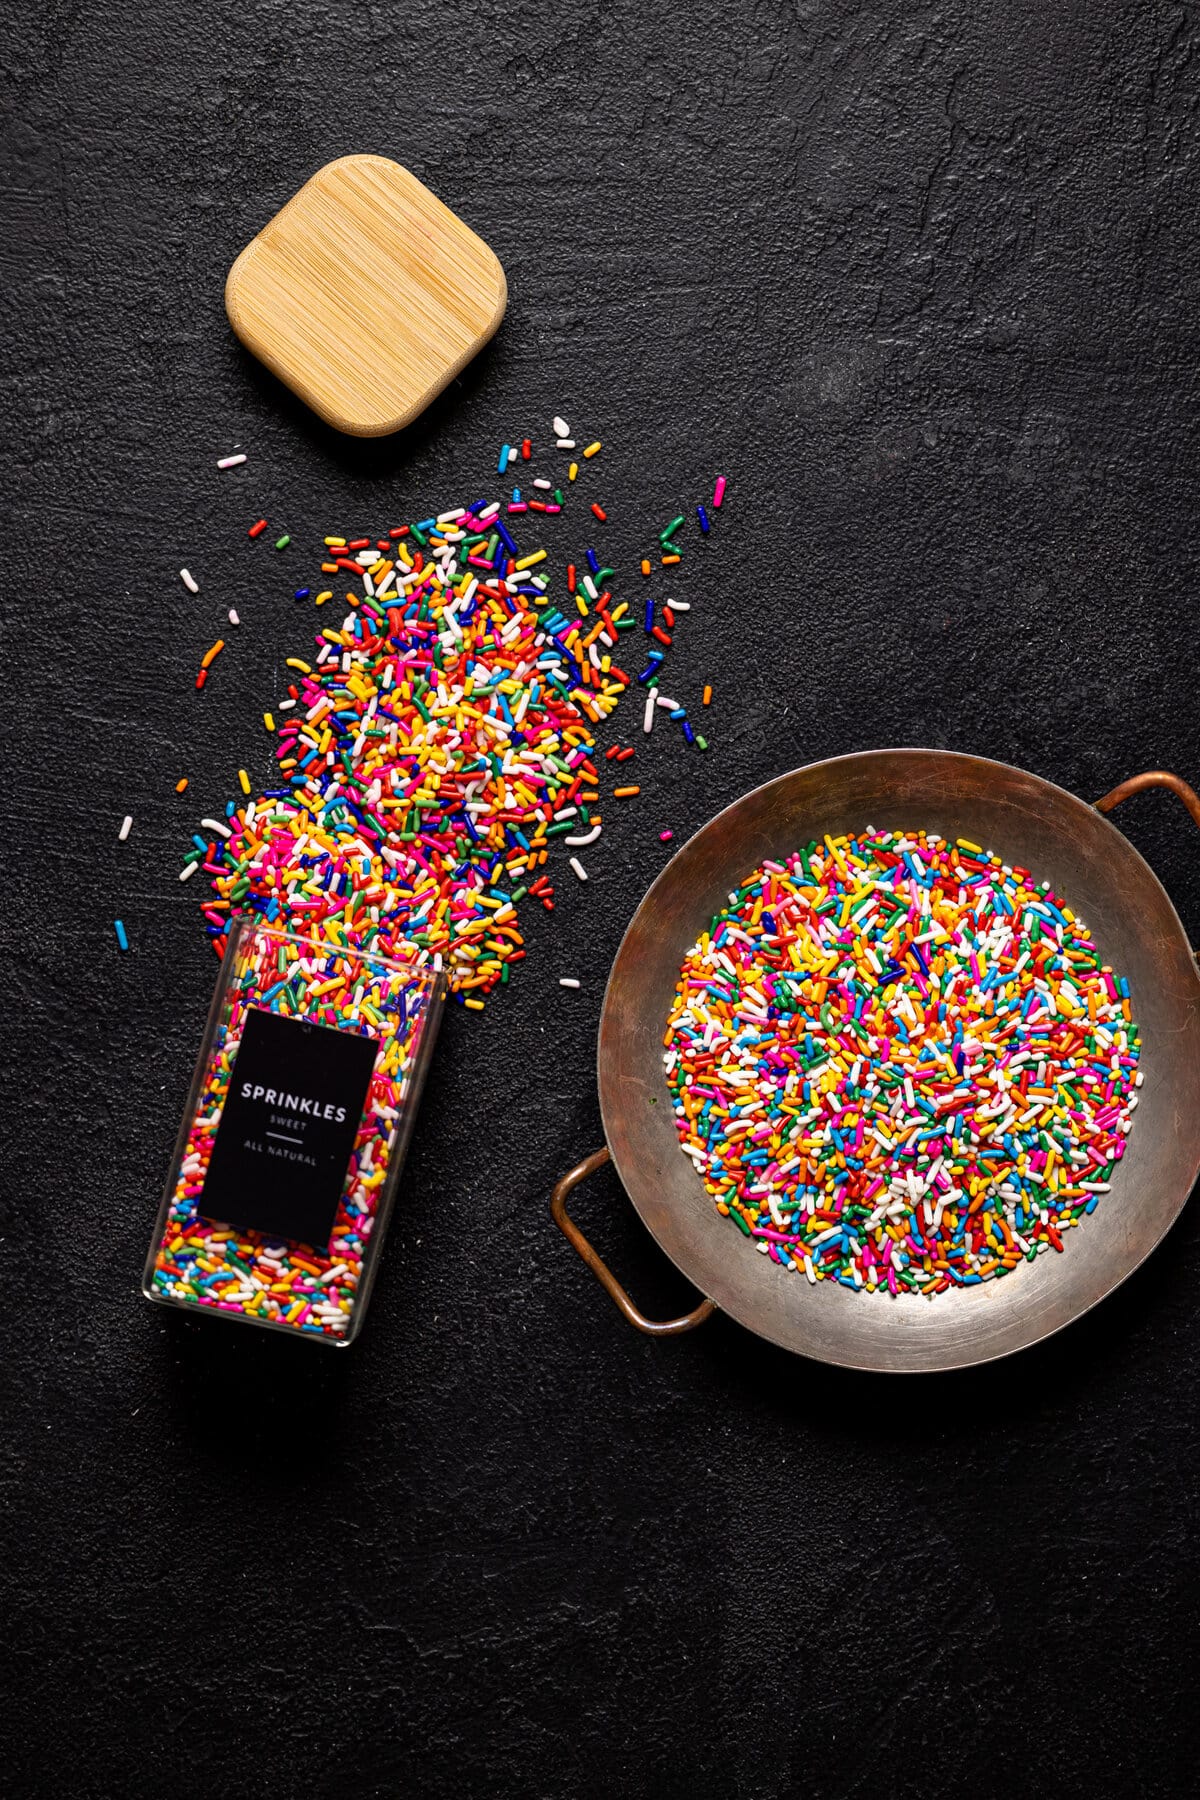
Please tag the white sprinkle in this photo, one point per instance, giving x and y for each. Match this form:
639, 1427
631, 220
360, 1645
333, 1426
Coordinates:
567, 981
186, 874
233, 618
231, 462
564, 443
579, 868
126, 827
679, 605
648, 718
561, 428
216, 825
589, 837
541, 482
189, 581
671, 705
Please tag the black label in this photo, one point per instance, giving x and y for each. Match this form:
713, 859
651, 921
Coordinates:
283, 1146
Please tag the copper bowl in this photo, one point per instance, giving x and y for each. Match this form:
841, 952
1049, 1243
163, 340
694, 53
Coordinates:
1030, 822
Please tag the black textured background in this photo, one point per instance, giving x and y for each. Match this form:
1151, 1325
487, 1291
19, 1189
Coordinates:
923, 280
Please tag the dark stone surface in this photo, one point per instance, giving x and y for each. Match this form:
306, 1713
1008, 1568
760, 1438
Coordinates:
923, 279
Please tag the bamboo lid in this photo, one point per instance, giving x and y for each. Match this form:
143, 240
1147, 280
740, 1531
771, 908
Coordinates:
365, 295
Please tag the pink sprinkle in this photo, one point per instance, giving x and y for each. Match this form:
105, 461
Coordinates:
719, 491
664, 837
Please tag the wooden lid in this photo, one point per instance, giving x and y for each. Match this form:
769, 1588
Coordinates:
365, 295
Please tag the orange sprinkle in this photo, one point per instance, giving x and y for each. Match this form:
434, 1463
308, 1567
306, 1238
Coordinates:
180, 786
668, 560
210, 656
625, 793
707, 696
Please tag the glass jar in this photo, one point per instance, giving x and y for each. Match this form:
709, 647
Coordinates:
299, 1115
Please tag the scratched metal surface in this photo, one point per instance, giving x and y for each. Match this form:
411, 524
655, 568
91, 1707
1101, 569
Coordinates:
924, 282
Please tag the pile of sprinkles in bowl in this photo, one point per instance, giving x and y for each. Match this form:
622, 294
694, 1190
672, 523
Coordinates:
899, 1063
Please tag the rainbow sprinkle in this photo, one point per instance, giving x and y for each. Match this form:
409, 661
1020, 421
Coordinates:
440, 739
899, 1063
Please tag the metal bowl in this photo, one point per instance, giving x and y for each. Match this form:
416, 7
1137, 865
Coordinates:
1028, 821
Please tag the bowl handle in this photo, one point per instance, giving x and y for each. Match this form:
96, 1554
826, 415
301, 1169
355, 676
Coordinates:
1152, 778
601, 1270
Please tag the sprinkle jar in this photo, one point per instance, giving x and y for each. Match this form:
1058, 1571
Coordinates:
296, 1126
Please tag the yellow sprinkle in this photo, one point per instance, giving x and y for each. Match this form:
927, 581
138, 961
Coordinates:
336, 543
966, 844
245, 781
269, 721
527, 562
573, 471
293, 662
327, 595
475, 1005
581, 603
592, 448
